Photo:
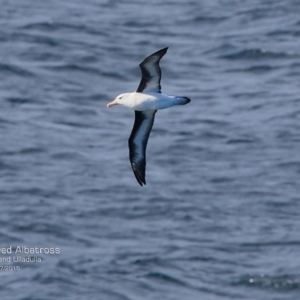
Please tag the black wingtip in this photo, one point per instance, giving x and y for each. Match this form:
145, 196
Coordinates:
161, 52
164, 50
140, 179
188, 100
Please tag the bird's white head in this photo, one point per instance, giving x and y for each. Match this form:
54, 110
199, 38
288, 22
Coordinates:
121, 99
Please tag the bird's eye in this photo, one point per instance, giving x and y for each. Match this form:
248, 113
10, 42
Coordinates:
120, 97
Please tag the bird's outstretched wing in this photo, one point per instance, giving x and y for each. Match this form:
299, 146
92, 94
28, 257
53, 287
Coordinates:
138, 142
151, 73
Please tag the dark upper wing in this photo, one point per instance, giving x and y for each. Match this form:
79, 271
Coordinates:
138, 142
151, 73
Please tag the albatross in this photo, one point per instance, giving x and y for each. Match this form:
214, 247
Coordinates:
145, 102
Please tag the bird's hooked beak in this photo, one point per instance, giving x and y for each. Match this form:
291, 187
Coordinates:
110, 104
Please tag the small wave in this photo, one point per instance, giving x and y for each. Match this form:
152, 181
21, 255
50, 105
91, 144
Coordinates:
291, 165
4, 121
221, 179
73, 67
166, 278
50, 26
37, 39
211, 20
74, 124
53, 278
4, 166
20, 100
271, 243
242, 141
213, 122
43, 228
85, 69
30, 150
255, 69
46, 25
280, 33
258, 54
9, 68
209, 135
92, 191
280, 283
138, 24
8, 238
249, 95
148, 261
66, 156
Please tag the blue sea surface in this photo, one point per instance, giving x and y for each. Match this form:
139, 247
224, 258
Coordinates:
219, 217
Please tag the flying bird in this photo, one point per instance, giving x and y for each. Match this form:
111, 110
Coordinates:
145, 102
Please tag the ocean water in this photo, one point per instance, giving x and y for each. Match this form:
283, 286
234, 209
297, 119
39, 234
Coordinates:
219, 217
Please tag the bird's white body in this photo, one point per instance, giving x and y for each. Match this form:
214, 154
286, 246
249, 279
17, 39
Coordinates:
148, 101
